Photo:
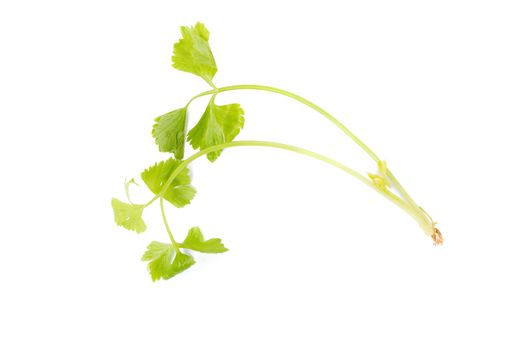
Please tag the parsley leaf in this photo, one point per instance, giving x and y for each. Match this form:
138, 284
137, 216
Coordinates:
192, 53
219, 124
161, 261
179, 192
169, 130
128, 215
195, 241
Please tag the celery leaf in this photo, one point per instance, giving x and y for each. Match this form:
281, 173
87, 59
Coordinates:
128, 215
161, 262
219, 124
192, 53
179, 192
169, 132
195, 241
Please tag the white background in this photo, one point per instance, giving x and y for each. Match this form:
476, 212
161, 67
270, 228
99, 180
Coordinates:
316, 259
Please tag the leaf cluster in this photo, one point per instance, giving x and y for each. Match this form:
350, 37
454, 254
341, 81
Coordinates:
170, 179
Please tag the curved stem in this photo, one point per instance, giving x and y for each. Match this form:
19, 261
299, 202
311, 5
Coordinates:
165, 220
304, 101
387, 194
404, 194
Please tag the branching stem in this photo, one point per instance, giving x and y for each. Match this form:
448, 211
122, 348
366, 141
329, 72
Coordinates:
421, 219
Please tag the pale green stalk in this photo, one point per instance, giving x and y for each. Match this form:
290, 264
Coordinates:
165, 220
296, 97
386, 193
422, 216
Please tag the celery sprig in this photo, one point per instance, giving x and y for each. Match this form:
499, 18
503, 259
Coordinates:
170, 180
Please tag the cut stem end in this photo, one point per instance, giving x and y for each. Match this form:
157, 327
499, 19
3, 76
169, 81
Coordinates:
437, 237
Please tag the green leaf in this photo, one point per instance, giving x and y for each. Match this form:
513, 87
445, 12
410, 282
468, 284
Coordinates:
195, 241
192, 53
180, 263
161, 261
179, 192
169, 132
218, 124
128, 215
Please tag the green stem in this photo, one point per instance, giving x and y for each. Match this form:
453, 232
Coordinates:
304, 101
404, 194
165, 220
401, 190
387, 194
